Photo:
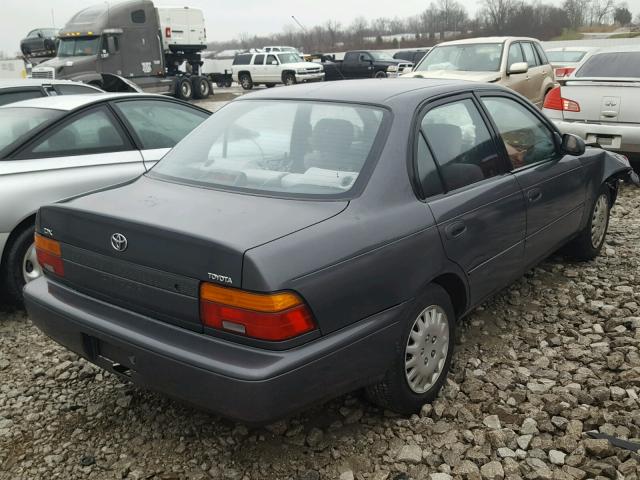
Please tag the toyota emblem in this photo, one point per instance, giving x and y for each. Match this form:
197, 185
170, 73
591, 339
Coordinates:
119, 242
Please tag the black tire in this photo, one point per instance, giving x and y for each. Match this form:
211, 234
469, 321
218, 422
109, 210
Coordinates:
220, 83
289, 79
201, 87
184, 89
588, 244
12, 275
245, 81
394, 392
269, 85
380, 74
228, 82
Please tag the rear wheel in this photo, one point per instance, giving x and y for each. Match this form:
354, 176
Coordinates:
380, 74
227, 83
21, 264
201, 87
588, 244
185, 89
423, 355
245, 81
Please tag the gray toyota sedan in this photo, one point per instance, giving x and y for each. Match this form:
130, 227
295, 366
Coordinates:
309, 241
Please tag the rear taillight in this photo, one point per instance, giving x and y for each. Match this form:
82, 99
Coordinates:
167, 32
49, 254
554, 101
274, 317
563, 72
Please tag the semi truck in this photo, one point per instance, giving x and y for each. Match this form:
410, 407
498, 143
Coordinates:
133, 46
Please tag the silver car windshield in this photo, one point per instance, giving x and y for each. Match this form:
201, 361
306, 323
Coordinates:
16, 122
287, 148
475, 57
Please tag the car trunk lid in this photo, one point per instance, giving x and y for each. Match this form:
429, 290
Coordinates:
603, 101
147, 245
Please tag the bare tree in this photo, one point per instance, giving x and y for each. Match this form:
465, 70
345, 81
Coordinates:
600, 10
498, 13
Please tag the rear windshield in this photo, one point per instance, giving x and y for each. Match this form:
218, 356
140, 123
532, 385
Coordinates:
285, 148
611, 65
565, 56
16, 123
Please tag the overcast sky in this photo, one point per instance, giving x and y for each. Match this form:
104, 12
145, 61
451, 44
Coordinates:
225, 19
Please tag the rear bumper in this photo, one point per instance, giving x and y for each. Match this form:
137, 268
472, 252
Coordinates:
623, 138
237, 381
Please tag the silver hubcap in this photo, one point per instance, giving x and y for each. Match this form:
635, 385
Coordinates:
245, 81
599, 220
289, 80
427, 349
204, 88
186, 89
30, 267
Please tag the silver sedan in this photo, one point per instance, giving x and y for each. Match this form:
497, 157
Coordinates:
599, 101
59, 147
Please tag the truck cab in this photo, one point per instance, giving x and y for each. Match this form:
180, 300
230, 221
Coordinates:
367, 64
132, 45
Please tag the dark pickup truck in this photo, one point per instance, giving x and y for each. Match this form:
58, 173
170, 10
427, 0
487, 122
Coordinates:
40, 43
364, 64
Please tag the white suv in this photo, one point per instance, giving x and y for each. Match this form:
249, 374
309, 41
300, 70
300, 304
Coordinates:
251, 69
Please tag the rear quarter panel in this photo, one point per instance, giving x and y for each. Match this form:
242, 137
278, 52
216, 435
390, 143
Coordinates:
354, 265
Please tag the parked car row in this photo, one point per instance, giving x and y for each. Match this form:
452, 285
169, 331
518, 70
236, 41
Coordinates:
232, 261
242, 272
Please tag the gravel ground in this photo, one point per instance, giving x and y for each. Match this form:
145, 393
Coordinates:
546, 360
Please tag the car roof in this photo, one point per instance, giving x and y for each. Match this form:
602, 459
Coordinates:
72, 102
466, 41
37, 82
373, 91
574, 48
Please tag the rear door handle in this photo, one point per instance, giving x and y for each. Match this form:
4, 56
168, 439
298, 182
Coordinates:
455, 229
534, 195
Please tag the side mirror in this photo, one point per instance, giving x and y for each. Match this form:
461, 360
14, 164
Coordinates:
572, 144
518, 67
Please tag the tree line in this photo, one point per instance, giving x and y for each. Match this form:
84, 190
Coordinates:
443, 19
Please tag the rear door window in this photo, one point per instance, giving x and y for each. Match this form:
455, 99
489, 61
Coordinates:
258, 60
461, 144
95, 131
529, 54
159, 124
242, 59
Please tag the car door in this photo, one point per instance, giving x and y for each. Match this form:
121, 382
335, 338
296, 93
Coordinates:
272, 70
516, 81
156, 125
77, 155
481, 212
535, 75
553, 184
258, 69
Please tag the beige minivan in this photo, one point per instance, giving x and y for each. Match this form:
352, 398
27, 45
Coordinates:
515, 62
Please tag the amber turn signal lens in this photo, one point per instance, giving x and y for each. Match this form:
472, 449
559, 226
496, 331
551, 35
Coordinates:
48, 245
258, 302
49, 254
